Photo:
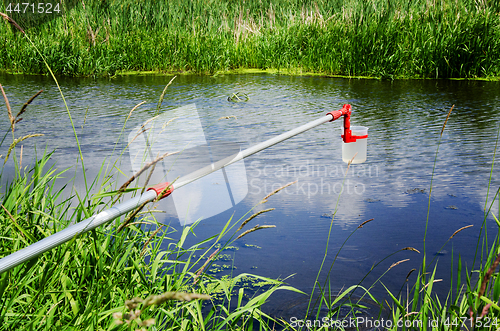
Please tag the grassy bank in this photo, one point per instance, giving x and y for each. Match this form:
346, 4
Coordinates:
385, 39
136, 279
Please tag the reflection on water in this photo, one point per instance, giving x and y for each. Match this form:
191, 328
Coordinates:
405, 120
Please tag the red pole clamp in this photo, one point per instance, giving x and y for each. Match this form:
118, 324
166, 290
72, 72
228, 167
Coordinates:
162, 188
346, 112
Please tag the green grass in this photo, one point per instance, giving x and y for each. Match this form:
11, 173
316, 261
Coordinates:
383, 39
88, 283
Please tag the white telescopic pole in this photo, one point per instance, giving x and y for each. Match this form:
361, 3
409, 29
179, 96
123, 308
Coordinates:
108, 215
246, 152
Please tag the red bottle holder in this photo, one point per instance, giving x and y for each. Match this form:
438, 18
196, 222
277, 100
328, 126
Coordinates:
346, 112
353, 152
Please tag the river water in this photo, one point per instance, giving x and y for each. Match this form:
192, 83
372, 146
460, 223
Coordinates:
392, 187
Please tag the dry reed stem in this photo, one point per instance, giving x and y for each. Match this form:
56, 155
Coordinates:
397, 263
410, 249
148, 178
136, 106
12, 219
9, 110
106, 40
17, 141
408, 275
146, 167
276, 191
255, 228
127, 221
169, 121
92, 35
149, 240
164, 91
349, 163
487, 276
361, 225
11, 21
252, 217
434, 281
412, 313
23, 108
462, 228
198, 273
446, 120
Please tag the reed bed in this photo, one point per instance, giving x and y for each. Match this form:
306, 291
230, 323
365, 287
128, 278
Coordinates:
377, 38
110, 280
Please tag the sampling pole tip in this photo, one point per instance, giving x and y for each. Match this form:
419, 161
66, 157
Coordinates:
162, 190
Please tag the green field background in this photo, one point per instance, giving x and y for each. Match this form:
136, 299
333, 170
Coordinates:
377, 38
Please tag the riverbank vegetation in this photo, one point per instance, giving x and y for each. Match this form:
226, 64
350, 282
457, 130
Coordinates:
135, 279
383, 39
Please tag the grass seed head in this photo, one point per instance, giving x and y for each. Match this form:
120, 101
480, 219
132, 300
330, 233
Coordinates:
276, 191
136, 106
461, 229
17, 141
252, 217
410, 249
11, 21
255, 228
446, 120
367, 221
9, 110
409, 273
397, 263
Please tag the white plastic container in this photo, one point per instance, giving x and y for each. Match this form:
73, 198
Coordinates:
359, 146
